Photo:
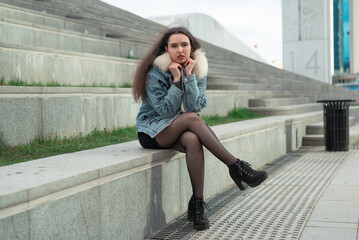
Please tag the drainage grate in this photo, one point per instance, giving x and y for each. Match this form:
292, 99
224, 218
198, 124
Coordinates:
180, 228
279, 208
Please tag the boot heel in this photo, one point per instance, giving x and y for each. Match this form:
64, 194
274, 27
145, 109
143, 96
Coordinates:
241, 171
239, 184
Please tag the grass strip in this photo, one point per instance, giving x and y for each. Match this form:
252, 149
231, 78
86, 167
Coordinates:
45, 148
41, 148
235, 115
21, 83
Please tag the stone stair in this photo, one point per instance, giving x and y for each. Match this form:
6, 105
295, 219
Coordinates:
272, 102
282, 106
22, 33
315, 133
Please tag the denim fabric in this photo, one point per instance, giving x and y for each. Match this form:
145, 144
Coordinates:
163, 101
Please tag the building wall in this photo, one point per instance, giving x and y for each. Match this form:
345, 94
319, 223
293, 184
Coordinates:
208, 29
354, 62
307, 38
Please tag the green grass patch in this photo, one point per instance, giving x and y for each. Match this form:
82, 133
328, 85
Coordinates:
21, 82
44, 148
126, 85
235, 115
2, 81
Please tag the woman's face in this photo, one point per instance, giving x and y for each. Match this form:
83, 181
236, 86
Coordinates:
179, 48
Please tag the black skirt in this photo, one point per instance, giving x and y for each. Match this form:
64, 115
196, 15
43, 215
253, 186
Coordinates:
147, 142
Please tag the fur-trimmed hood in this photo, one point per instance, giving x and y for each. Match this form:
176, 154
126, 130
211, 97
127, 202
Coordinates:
200, 69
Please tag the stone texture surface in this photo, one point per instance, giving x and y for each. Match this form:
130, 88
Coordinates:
41, 67
106, 191
15, 227
62, 219
335, 216
48, 112
21, 120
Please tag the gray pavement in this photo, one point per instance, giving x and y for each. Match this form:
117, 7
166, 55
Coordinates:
310, 194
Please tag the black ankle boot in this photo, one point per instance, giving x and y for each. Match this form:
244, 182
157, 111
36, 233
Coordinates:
196, 213
241, 171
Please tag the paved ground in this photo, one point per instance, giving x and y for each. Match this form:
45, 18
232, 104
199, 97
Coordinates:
310, 194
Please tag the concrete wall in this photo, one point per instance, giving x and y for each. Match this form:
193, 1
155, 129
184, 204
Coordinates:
28, 113
36, 65
307, 38
103, 193
354, 36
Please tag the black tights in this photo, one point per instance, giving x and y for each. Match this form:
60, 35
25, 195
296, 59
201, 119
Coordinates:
187, 133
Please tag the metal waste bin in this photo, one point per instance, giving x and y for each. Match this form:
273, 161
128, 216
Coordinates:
336, 124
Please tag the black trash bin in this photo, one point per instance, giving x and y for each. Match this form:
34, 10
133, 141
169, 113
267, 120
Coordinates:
336, 124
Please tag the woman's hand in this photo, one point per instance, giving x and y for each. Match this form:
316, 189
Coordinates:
189, 66
175, 70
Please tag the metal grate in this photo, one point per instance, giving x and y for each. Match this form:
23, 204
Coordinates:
279, 208
180, 228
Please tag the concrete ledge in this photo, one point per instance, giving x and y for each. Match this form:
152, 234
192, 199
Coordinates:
313, 140
244, 86
318, 128
102, 192
318, 139
28, 113
315, 133
272, 102
286, 110
354, 134
34, 65
315, 129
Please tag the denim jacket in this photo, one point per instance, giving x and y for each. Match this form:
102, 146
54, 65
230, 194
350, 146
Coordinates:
163, 100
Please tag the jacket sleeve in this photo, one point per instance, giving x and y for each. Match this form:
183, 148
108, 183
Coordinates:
163, 96
195, 93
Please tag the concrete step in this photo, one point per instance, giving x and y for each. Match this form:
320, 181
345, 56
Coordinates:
22, 33
272, 102
313, 140
46, 66
232, 77
318, 128
63, 23
243, 86
318, 139
286, 110
94, 12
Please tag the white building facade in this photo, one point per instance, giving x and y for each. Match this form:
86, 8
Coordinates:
354, 34
208, 29
307, 38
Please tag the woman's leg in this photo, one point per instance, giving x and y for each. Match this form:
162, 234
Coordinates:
192, 122
189, 143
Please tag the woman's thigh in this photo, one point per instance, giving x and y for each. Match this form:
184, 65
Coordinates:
170, 135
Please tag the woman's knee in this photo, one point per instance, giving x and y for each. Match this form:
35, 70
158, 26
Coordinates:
192, 117
191, 140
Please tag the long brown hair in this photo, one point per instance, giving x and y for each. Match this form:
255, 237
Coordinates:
158, 48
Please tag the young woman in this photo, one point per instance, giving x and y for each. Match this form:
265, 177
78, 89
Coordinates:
171, 83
